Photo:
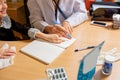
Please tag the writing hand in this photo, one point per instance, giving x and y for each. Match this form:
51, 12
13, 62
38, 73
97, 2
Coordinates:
67, 27
56, 29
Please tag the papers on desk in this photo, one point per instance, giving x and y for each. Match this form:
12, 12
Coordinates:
6, 62
66, 43
96, 6
45, 51
112, 53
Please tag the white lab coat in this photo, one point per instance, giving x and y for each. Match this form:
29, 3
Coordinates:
42, 12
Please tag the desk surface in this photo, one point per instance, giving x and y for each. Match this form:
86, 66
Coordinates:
27, 68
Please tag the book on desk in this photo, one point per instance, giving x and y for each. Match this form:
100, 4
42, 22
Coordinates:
45, 51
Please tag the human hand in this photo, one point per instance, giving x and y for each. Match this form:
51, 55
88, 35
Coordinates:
6, 53
54, 38
67, 27
56, 29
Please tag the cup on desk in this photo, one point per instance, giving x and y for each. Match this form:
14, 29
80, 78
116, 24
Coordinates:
116, 21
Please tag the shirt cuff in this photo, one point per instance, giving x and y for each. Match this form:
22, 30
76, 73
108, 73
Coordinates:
32, 32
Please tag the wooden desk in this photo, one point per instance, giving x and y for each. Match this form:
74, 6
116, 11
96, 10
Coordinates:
16, 11
27, 68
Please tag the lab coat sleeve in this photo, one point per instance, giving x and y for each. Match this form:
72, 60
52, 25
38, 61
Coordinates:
36, 18
79, 15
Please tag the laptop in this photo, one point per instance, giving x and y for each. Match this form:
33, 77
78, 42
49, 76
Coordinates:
88, 64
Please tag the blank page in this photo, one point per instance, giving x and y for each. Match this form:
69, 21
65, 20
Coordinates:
66, 43
42, 51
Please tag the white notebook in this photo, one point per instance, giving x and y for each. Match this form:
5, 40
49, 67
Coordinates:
45, 51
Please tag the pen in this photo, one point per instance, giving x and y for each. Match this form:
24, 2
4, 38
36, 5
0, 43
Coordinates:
89, 47
68, 36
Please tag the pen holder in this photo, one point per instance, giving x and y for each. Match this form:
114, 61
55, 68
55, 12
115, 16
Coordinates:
116, 21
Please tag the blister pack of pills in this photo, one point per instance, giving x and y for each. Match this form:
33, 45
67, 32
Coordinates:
57, 73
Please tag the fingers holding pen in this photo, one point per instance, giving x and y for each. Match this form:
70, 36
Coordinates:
68, 27
61, 31
57, 29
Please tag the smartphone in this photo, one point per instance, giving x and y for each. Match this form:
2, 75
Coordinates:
99, 23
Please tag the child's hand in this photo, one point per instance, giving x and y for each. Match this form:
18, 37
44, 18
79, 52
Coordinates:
6, 53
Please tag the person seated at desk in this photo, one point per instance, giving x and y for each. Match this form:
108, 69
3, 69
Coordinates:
65, 13
7, 25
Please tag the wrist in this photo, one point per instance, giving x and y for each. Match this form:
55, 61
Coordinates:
65, 22
41, 35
